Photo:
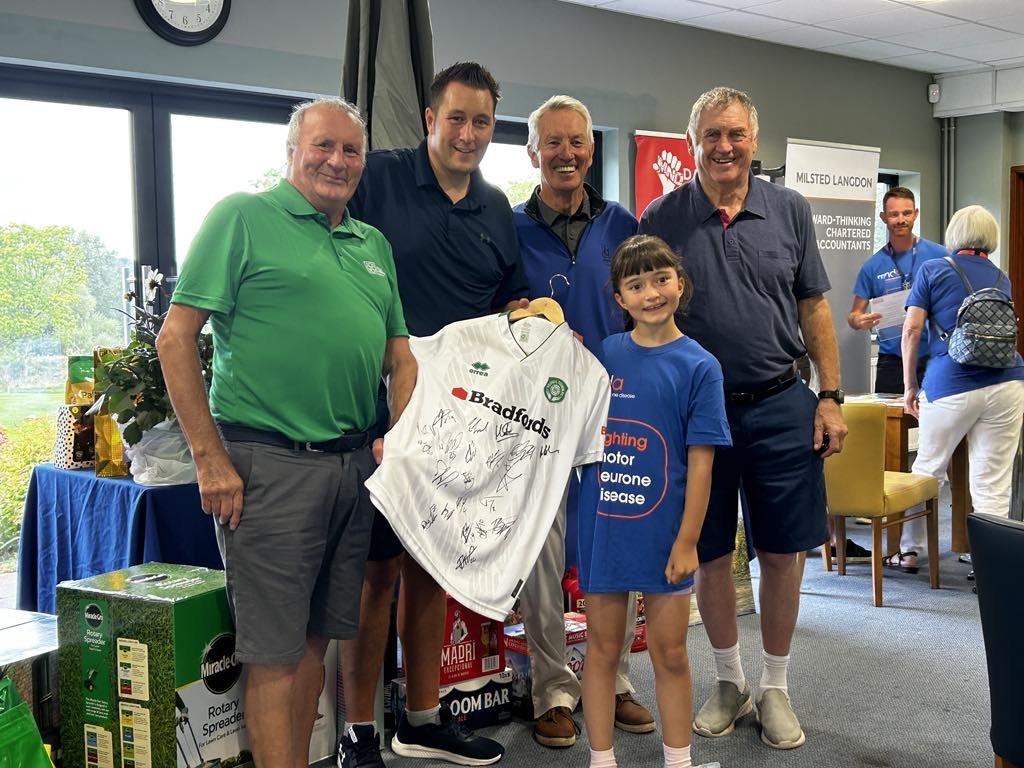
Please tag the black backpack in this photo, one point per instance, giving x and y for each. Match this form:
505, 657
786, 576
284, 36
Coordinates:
985, 334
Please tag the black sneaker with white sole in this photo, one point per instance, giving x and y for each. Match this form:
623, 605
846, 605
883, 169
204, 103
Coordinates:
449, 740
360, 748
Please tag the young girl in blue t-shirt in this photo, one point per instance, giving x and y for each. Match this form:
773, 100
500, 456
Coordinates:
642, 507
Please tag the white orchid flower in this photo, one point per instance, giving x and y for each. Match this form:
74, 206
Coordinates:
152, 279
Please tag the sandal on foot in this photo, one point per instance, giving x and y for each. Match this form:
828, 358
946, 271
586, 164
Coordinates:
905, 561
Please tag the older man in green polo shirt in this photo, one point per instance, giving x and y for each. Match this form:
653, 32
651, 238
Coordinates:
304, 306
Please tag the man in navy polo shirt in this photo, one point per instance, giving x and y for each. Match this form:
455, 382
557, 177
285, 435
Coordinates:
457, 257
892, 270
758, 305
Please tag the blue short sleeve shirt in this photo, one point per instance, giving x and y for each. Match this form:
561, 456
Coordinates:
887, 272
938, 290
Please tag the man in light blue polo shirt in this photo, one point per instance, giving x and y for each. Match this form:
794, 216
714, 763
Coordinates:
888, 271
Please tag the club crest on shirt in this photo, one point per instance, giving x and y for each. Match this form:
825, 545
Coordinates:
373, 269
555, 390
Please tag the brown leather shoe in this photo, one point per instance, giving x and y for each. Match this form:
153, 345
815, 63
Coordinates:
631, 715
556, 728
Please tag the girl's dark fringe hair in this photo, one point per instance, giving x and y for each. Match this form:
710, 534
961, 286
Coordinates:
646, 253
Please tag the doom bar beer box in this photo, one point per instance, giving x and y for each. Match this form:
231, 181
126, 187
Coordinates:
472, 645
475, 703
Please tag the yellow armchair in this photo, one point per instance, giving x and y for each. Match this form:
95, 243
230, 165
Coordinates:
858, 485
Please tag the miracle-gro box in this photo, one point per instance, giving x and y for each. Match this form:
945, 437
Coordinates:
148, 675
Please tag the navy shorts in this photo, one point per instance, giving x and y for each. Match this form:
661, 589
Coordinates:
384, 544
772, 459
294, 566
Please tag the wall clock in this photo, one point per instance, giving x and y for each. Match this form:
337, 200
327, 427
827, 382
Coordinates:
185, 22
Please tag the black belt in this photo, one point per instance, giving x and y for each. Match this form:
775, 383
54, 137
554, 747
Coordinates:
350, 441
764, 390
889, 356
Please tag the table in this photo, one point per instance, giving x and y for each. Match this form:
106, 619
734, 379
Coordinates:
78, 525
897, 459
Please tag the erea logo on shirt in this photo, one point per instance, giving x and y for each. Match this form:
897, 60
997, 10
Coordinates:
507, 412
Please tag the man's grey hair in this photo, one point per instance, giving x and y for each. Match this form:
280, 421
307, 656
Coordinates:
720, 98
557, 102
334, 102
972, 227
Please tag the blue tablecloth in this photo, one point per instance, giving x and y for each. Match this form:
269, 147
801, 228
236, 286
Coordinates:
77, 525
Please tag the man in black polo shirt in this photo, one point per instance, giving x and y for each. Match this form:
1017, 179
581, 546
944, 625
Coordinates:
457, 257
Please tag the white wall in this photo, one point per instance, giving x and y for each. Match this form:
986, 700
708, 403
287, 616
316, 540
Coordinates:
987, 146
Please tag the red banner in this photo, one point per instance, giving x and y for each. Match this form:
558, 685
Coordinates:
663, 162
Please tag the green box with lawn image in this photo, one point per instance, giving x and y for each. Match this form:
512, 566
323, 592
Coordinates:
148, 676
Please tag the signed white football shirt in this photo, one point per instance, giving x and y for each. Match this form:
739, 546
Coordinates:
474, 470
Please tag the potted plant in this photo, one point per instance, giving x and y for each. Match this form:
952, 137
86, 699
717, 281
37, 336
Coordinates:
132, 381
134, 393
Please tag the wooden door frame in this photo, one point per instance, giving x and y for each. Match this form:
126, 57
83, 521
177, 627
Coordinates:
1015, 262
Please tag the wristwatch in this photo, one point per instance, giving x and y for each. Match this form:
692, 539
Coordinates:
832, 394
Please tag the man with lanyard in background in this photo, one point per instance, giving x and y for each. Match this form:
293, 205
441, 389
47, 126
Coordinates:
567, 234
890, 271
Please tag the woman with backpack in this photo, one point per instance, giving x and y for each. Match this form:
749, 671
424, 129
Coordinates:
974, 384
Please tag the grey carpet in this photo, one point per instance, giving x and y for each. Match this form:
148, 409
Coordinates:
902, 686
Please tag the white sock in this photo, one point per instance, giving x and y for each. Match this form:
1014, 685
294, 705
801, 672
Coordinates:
774, 674
604, 758
728, 666
420, 717
677, 757
370, 723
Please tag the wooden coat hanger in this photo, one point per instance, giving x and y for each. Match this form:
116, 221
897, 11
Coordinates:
542, 306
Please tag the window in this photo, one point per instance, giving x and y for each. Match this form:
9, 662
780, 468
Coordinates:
211, 158
102, 175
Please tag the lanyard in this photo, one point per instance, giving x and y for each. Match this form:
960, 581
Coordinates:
972, 252
904, 280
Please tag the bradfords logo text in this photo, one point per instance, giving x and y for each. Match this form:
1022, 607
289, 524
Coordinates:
509, 412
220, 669
93, 615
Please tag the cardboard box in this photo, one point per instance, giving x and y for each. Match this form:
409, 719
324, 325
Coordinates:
517, 654
476, 703
472, 645
148, 674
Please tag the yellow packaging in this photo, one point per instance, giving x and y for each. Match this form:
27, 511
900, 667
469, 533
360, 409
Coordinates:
110, 460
